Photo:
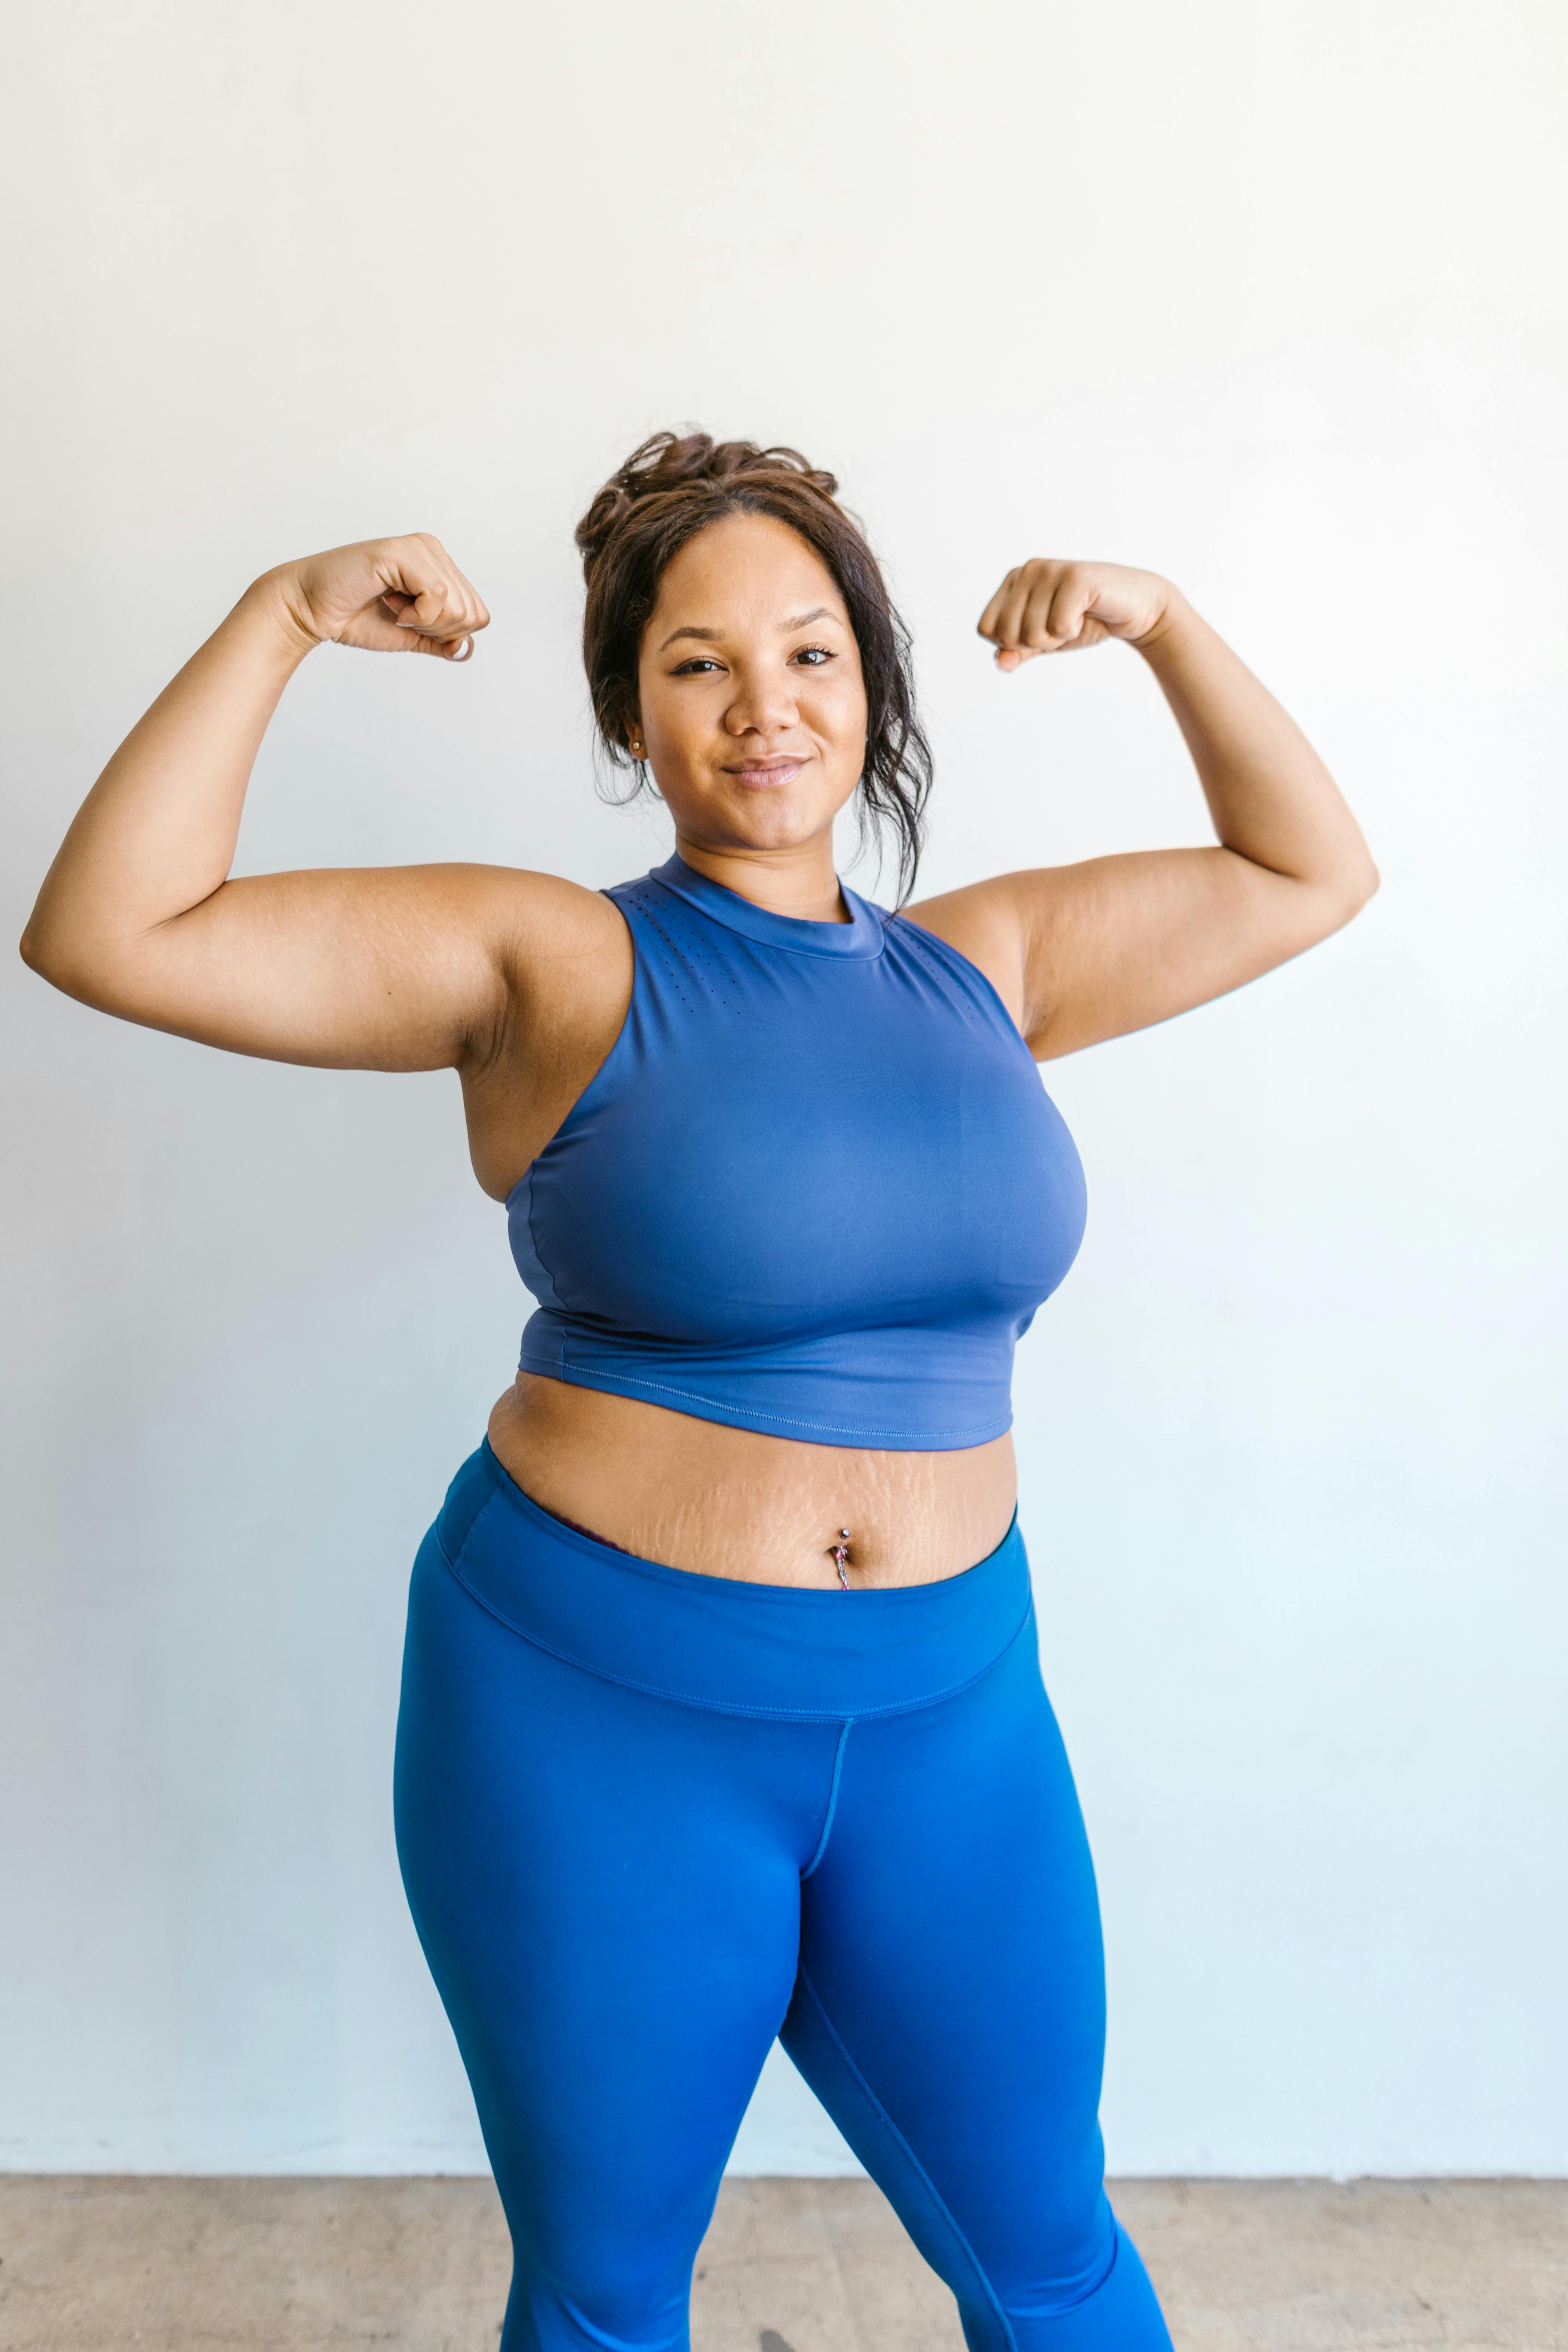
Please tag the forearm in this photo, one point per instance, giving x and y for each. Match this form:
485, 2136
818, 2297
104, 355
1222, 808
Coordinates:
156, 834
1273, 800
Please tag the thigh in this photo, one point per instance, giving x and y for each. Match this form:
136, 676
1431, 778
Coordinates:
606, 1891
951, 2010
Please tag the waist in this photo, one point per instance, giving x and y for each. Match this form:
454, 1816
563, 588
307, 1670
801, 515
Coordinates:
736, 1503
743, 1647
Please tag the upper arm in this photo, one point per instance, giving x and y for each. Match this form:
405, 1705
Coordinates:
1080, 953
398, 968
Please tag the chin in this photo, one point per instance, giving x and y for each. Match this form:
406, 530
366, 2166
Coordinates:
762, 819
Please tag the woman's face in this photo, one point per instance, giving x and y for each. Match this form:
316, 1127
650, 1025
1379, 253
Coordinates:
752, 707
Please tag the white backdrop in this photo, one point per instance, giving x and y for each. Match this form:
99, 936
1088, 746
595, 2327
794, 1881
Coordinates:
1269, 298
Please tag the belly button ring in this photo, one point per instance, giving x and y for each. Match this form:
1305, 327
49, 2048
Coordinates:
838, 1553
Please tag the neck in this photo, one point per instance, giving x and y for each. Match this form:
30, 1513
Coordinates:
800, 882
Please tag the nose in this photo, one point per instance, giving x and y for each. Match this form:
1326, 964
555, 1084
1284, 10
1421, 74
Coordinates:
765, 701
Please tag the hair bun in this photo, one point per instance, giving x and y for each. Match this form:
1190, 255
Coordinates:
672, 461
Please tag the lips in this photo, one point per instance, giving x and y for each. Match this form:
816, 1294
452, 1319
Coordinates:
763, 775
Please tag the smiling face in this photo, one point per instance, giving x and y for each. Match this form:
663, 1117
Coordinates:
751, 703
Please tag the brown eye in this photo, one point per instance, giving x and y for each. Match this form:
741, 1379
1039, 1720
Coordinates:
814, 656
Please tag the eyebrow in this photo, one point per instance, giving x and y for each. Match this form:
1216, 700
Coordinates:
711, 636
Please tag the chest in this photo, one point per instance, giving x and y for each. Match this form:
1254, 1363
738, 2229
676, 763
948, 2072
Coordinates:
808, 1139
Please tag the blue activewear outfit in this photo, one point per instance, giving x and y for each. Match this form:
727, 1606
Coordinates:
649, 1819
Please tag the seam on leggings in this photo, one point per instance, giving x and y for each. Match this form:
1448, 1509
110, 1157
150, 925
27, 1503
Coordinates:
724, 1706
892, 2128
493, 1496
832, 1800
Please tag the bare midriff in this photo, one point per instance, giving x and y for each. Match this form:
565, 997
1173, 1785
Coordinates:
732, 1502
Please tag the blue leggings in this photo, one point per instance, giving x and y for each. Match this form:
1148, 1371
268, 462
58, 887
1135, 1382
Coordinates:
649, 1819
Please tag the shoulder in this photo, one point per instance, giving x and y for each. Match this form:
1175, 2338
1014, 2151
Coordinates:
554, 941
985, 922
505, 903
547, 916
556, 950
528, 922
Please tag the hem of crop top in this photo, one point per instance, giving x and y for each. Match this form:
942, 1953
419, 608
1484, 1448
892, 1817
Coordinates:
699, 1407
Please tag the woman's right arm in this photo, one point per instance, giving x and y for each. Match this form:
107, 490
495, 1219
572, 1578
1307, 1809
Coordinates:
391, 969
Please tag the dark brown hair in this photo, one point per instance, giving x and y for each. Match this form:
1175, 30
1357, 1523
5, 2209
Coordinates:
674, 487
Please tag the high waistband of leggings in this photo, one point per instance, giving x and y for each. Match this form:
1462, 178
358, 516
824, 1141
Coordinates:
713, 1641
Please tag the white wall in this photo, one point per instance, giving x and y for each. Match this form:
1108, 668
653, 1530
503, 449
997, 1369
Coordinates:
1266, 298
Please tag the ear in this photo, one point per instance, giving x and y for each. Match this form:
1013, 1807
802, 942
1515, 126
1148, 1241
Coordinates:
628, 729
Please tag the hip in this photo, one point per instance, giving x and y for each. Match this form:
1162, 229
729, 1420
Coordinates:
722, 1644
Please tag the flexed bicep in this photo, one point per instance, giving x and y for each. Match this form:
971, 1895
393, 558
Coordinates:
138, 916
1093, 950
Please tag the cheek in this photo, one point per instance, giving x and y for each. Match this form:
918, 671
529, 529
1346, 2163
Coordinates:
673, 720
838, 705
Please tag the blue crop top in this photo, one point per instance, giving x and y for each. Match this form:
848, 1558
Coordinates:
816, 1188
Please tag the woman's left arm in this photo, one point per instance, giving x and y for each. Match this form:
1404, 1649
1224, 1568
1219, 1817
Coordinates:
1088, 951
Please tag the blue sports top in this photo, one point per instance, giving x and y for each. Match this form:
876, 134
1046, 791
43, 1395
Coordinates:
816, 1188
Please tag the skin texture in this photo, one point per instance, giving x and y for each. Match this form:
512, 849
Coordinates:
751, 713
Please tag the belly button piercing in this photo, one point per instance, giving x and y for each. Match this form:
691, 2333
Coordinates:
839, 1554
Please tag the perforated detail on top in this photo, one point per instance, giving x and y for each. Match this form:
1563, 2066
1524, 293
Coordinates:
927, 951
683, 949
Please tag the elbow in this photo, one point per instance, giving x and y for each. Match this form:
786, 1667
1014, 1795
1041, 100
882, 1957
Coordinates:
49, 956
1352, 890
1329, 901
1364, 885
32, 948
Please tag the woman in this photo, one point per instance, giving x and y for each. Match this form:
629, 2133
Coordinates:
721, 1712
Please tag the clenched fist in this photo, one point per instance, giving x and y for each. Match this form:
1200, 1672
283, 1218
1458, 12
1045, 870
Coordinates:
1047, 606
387, 596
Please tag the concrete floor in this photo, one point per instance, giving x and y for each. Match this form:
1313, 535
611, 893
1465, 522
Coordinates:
95, 2264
